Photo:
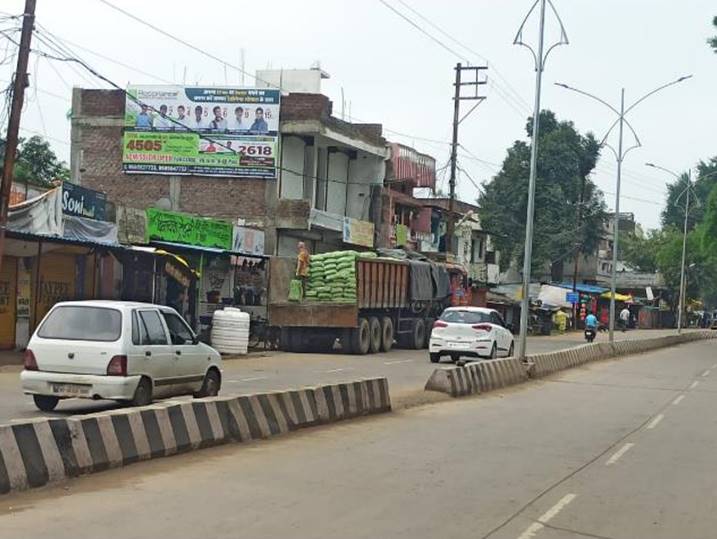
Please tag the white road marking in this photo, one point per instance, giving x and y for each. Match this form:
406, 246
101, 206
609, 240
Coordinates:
694, 384
706, 373
339, 370
254, 379
655, 422
678, 400
397, 362
619, 453
546, 517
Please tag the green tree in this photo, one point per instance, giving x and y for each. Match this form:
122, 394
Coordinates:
36, 163
565, 160
640, 252
674, 212
713, 41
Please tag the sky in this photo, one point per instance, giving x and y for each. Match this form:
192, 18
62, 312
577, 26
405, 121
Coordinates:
392, 73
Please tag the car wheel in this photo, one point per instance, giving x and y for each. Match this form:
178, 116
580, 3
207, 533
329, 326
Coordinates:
45, 403
211, 385
143, 393
494, 351
375, 330
435, 358
511, 350
455, 358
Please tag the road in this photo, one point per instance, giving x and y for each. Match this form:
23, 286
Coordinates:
406, 370
619, 449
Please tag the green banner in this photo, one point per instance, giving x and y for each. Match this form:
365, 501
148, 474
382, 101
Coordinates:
182, 228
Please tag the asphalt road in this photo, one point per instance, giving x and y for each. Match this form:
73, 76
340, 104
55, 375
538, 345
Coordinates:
620, 449
406, 370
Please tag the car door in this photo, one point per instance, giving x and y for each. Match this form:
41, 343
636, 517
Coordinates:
502, 334
151, 351
189, 361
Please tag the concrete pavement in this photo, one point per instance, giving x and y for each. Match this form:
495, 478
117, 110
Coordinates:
406, 370
618, 449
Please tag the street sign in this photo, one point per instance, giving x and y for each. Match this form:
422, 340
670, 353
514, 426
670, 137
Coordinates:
572, 297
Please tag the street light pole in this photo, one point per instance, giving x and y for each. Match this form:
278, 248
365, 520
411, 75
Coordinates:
620, 154
683, 289
540, 57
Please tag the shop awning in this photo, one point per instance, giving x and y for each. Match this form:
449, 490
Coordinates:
202, 249
584, 288
161, 252
618, 297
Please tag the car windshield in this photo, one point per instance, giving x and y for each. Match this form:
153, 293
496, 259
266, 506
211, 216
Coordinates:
82, 323
465, 317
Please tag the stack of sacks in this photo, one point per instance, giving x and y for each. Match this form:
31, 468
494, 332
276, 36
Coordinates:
332, 277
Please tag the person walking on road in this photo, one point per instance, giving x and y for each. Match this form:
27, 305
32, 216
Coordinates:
624, 318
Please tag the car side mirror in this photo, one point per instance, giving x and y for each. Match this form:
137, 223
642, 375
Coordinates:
195, 339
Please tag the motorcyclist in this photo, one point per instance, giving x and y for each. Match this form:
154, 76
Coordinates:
591, 322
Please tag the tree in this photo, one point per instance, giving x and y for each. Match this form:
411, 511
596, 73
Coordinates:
640, 252
674, 212
36, 163
713, 41
565, 160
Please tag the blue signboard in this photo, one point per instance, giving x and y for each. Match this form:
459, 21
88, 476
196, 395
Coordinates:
572, 297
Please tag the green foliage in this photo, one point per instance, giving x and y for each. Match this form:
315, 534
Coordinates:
565, 160
708, 229
640, 252
674, 212
713, 41
37, 164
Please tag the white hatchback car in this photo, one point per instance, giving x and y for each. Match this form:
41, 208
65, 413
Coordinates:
131, 352
471, 332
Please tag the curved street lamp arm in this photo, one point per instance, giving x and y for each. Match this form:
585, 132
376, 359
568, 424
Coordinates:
519, 36
563, 34
673, 173
634, 134
636, 103
606, 145
586, 94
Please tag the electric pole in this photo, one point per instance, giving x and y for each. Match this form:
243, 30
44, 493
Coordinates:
457, 98
13, 128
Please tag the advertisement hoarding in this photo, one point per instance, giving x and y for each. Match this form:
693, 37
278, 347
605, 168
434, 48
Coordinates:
182, 228
207, 131
358, 232
248, 241
83, 202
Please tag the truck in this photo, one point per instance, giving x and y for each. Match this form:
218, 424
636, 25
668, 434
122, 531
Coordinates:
397, 301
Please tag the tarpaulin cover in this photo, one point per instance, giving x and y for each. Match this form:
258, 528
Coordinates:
40, 215
83, 229
441, 281
421, 281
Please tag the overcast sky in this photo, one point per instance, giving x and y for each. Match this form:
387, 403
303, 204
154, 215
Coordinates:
393, 74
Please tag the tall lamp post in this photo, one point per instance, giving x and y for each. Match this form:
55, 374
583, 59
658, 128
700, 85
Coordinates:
540, 56
620, 154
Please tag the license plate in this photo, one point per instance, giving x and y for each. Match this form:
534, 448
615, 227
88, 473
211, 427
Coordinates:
457, 345
70, 389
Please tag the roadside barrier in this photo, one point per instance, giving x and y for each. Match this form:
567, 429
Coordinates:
482, 376
47, 450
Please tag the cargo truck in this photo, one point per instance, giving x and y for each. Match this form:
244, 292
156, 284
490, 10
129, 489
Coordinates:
397, 301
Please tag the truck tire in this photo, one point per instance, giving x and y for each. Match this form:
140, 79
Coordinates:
361, 338
418, 339
375, 330
427, 331
386, 334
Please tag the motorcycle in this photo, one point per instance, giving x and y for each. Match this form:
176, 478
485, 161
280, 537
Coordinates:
590, 334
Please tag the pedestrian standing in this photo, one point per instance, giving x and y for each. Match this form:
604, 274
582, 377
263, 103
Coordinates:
624, 318
302, 265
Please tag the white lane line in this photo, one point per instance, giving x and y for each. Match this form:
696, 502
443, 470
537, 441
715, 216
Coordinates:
706, 373
546, 517
339, 370
619, 453
399, 361
655, 422
694, 384
678, 400
254, 379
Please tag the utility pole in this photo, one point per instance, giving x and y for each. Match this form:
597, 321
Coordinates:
13, 127
683, 290
457, 98
578, 247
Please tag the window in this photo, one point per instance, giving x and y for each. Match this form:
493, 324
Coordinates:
490, 257
82, 323
151, 330
178, 330
497, 319
465, 317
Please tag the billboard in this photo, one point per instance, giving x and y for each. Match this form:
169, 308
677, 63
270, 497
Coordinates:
206, 131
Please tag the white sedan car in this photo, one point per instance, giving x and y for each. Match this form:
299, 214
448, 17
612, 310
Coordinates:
131, 352
470, 332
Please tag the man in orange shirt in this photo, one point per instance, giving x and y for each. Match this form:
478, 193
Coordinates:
302, 265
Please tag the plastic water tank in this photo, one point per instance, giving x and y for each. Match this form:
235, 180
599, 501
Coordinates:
230, 331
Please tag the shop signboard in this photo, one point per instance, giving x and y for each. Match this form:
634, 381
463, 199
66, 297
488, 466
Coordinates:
572, 297
83, 202
401, 235
177, 274
248, 241
182, 228
204, 131
357, 232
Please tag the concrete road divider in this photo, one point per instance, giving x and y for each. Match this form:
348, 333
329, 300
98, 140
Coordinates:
42, 451
482, 376
477, 377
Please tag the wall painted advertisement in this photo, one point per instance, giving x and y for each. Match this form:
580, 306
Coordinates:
206, 131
